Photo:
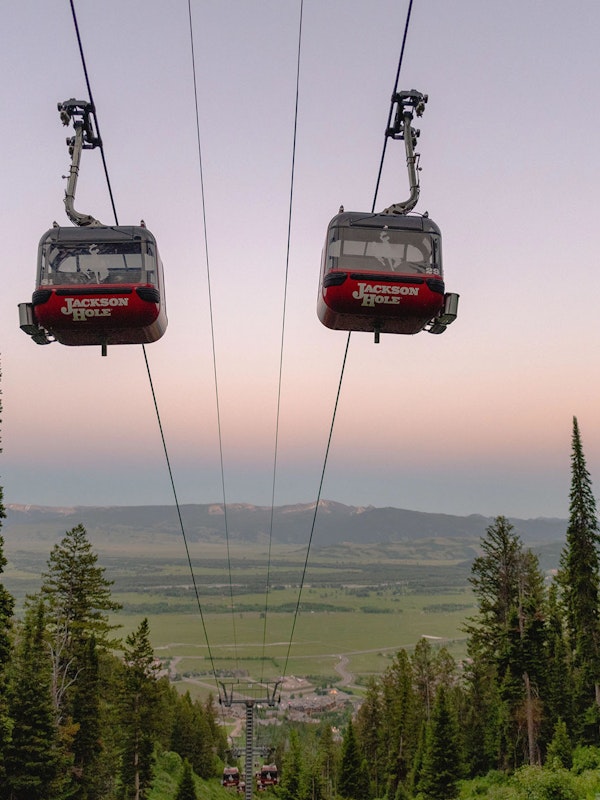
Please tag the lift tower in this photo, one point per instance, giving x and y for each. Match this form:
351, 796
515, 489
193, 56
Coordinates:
250, 695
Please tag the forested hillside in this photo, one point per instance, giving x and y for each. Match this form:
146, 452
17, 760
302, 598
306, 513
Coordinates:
85, 714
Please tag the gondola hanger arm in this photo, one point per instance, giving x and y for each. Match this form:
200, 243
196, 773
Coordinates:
406, 104
81, 114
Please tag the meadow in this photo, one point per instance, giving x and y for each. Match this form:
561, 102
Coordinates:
359, 605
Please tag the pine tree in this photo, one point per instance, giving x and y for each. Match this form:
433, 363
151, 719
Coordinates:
139, 703
400, 722
87, 744
481, 728
79, 600
495, 582
441, 769
354, 780
559, 683
292, 769
509, 636
327, 760
424, 675
33, 762
192, 735
560, 750
580, 583
186, 789
368, 732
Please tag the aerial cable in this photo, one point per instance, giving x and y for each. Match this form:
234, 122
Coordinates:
279, 382
91, 96
314, 519
389, 121
181, 525
177, 505
343, 367
212, 329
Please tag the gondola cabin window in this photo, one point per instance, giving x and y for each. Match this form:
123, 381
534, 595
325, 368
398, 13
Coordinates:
357, 248
111, 262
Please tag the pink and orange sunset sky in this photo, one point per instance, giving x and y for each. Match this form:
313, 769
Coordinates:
475, 421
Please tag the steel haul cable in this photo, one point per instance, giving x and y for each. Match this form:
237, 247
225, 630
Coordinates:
212, 332
279, 382
344, 360
177, 505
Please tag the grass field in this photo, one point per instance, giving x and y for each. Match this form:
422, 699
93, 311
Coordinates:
358, 603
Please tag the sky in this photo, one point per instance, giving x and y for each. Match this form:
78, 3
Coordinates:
478, 420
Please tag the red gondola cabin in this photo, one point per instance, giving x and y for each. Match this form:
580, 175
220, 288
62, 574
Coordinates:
97, 285
267, 777
383, 273
231, 778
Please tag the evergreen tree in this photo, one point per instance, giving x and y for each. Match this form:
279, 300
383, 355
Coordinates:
400, 722
33, 763
481, 728
424, 675
192, 735
353, 781
441, 768
186, 789
139, 702
327, 760
580, 583
559, 683
509, 638
495, 582
560, 750
368, 733
78, 599
292, 769
218, 734
87, 744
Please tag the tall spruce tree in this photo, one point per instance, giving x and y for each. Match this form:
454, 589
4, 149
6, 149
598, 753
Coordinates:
369, 734
441, 769
508, 637
327, 755
580, 583
78, 601
186, 789
33, 762
559, 683
400, 722
139, 704
353, 782
292, 770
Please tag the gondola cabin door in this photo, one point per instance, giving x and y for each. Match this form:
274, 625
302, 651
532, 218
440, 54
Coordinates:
381, 273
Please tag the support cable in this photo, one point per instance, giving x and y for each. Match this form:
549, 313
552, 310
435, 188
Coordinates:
389, 121
279, 382
318, 500
314, 519
91, 96
164, 444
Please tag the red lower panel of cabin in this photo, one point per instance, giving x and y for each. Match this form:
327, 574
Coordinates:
112, 315
365, 302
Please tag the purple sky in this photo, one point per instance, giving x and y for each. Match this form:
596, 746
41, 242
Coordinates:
475, 421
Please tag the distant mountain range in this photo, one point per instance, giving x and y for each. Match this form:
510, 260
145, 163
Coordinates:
335, 523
